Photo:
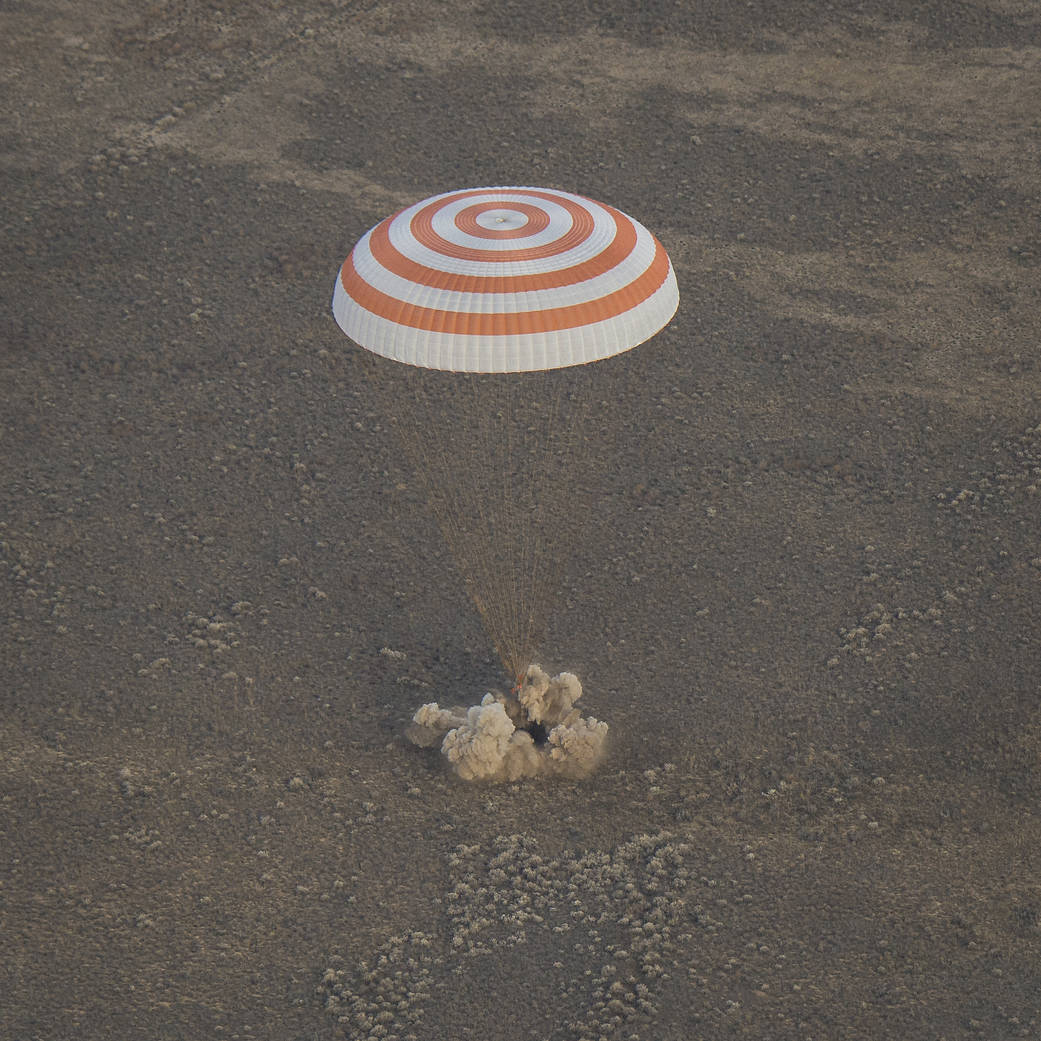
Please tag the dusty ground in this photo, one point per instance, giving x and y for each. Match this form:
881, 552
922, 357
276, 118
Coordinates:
811, 610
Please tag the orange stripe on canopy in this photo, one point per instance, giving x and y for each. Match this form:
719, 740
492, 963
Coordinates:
466, 220
422, 228
509, 323
397, 263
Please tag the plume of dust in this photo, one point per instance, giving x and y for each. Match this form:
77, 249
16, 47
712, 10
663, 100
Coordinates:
535, 731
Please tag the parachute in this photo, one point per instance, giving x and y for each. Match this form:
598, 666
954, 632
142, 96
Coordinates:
483, 310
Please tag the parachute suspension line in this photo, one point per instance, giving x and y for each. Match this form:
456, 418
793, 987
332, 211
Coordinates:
495, 456
546, 534
459, 429
535, 507
503, 413
516, 496
469, 528
497, 435
486, 546
521, 491
538, 506
560, 507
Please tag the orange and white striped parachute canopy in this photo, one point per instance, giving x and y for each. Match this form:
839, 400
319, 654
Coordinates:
505, 280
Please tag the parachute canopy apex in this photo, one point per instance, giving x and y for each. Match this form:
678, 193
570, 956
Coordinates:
506, 279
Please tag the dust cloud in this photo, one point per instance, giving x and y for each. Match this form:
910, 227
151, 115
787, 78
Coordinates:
534, 731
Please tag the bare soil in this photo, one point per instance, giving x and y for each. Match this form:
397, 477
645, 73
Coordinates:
809, 606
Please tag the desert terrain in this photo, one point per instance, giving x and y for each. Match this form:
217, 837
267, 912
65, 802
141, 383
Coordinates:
809, 605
